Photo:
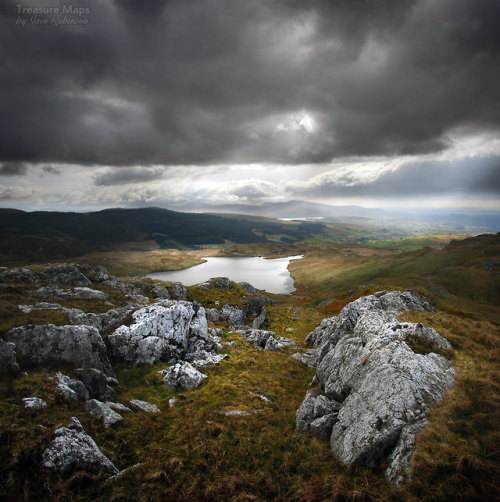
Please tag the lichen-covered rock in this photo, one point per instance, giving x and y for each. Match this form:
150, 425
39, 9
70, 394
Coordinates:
183, 376
8, 363
39, 306
205, 359
74, 345
138, 405
66, 274
17, 276
70, 389
309, 357
265, 339
103, 410
259, 320
34, 403
233, 315
384, 388
176, 290
99, 385
77, 293
74, 450
165, 331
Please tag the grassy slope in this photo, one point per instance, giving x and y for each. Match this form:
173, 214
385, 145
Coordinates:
192, 452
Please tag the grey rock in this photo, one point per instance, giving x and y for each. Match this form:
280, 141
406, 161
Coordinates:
138, 405
74, 345
70, 389
176, 290
66, 274
74, 450
77, 293
322, 427
260, 396
118, 406
265, 339
171, 402
39, 306
233, 315
17, 276
213, 315
98, 384
309, 357
8, 362
34, 403
384, 390
165, 331
103, 410
278, 343
204, 359
259, 320
183, 376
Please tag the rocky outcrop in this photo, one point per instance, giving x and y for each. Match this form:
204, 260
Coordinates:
99, 385
70, 389
103, 410
8, 362
66, 274
259, 320
73, 450
74, 345
183, 376
309, 357
34, 403
165, 331
77, 293
138, 405
17, 276
376, 391
263, 339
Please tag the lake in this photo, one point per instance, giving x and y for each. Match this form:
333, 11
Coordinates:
270, 275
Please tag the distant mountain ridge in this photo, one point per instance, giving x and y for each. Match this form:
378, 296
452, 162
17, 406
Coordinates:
43, 235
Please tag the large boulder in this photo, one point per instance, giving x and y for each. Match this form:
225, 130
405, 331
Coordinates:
74, 450
74, 345
17, 276
379, 388
165, 331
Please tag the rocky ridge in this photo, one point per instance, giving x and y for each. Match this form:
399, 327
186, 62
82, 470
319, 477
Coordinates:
372, 392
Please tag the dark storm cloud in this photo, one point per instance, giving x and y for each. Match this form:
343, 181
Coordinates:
196, 82
471, 176
13, 169
126, 175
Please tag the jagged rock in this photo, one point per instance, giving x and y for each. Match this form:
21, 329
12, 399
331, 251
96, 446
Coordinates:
322, 427
213, 315
118, 406
49, 344
384, 388
34, 403
233, 315
144, 406
278, 343
149, 288
319, 335
217, 282
73, 450
104, 411
8, 363
66, 274
77, 293
176, 290
98, 384
259, 320
205, 359
265, 339
70, 389
40, 306
17, 276
183, 376
165, 331
309, 357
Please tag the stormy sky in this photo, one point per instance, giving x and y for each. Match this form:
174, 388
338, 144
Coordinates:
179, 103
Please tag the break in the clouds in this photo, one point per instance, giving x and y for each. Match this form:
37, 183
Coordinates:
135, 92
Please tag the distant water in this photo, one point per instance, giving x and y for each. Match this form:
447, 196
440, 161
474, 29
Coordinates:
270, 275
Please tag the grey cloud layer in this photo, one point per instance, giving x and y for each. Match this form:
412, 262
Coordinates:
236, 81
